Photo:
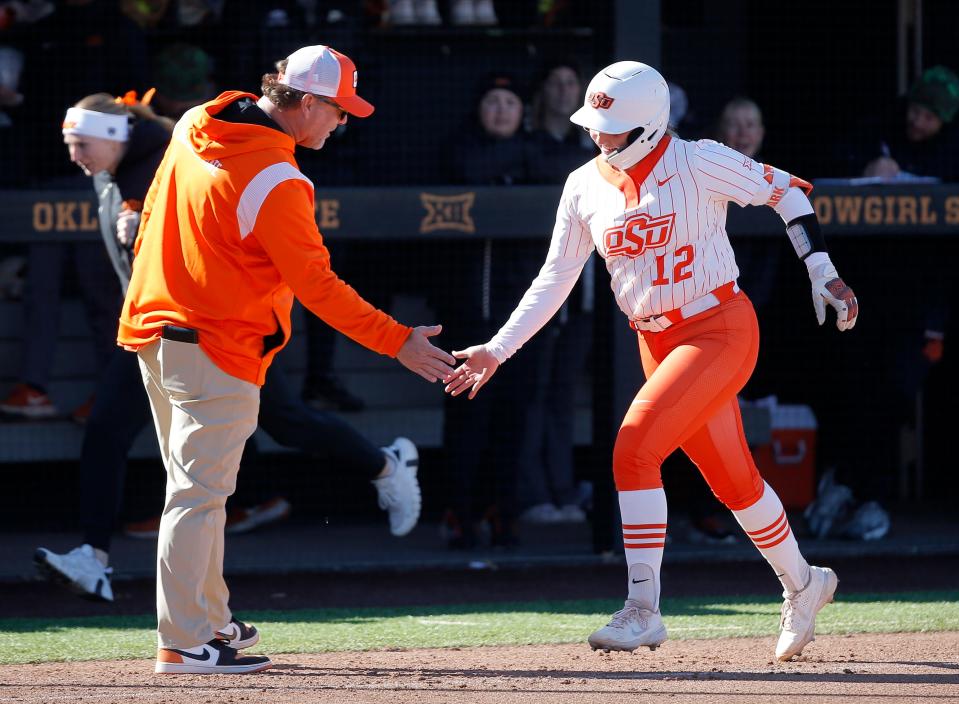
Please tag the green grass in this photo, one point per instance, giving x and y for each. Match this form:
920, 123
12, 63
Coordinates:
309, 631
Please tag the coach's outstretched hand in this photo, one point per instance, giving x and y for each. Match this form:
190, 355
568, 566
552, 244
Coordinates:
472, 374
420, 356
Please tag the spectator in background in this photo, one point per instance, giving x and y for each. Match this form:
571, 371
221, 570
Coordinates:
492, 149
183, 77
557, 145
920, 139
740, 126
548, 491
478, 280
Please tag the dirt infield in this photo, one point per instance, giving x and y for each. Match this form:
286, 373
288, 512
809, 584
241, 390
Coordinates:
889, 668
919, 667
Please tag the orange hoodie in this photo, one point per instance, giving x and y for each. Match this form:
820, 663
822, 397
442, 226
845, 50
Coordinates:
227, 238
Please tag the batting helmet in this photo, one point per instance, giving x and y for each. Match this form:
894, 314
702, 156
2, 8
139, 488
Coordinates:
627, 97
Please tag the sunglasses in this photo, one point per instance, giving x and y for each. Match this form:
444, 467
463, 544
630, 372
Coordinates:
341, 113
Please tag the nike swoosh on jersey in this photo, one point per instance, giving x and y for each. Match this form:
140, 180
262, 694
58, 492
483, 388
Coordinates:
663, 182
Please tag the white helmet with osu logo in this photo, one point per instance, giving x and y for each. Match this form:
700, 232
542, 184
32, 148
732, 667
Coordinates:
627, 96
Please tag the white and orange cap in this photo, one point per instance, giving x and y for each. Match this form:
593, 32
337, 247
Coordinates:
324, 71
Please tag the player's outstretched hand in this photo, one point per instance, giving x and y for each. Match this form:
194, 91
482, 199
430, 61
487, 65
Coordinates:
472, 374
420, 356
827, 287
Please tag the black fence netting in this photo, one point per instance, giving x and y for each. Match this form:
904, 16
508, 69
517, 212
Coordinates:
438, 209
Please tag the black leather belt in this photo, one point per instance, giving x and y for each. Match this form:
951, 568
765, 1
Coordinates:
178, 334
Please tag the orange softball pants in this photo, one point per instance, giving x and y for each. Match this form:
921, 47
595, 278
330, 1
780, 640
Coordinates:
694, 369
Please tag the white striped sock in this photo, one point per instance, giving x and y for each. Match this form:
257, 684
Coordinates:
766, 525
644, 529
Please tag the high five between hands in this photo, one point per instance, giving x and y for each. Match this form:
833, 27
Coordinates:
420, 356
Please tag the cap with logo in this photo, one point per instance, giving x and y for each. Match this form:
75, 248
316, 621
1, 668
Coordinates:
321, 70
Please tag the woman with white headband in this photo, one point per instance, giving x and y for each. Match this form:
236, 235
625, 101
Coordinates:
120, 143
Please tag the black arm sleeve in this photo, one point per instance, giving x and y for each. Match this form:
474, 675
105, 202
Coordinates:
805, 235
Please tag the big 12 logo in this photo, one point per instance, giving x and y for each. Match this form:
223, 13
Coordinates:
638, 234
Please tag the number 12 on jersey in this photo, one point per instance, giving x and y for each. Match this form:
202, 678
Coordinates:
682, 265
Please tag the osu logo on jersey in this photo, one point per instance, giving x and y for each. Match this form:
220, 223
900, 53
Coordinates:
600, 101
639, 233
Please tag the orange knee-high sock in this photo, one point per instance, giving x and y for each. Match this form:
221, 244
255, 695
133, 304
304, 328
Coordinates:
644, 533
766, 525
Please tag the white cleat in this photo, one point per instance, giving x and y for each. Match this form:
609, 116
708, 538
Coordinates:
798, 619
79, 570
399, 491
631, 627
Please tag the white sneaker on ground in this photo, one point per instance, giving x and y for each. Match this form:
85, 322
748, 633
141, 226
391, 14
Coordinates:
798, 616
79, 570
215, 657
629, 628
399, 491
639, 622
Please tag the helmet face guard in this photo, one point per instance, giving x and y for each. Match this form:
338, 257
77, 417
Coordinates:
627, 97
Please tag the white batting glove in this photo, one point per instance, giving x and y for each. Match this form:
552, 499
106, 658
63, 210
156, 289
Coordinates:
128, 222
827, 287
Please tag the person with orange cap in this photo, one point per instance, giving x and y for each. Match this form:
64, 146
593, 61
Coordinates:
228, 237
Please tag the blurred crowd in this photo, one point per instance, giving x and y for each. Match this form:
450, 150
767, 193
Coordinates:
514, 131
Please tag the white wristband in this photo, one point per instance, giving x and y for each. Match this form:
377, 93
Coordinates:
814, 260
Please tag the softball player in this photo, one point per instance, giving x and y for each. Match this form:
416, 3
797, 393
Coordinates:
654, 207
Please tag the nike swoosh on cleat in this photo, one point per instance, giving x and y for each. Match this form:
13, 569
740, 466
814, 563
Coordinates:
638, 581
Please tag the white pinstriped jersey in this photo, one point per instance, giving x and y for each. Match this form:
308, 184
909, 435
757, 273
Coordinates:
661, 230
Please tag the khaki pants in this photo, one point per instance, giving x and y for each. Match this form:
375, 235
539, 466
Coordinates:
203, 417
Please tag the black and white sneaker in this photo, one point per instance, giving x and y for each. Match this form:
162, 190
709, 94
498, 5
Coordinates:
79, 570
238, 635
215, 657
